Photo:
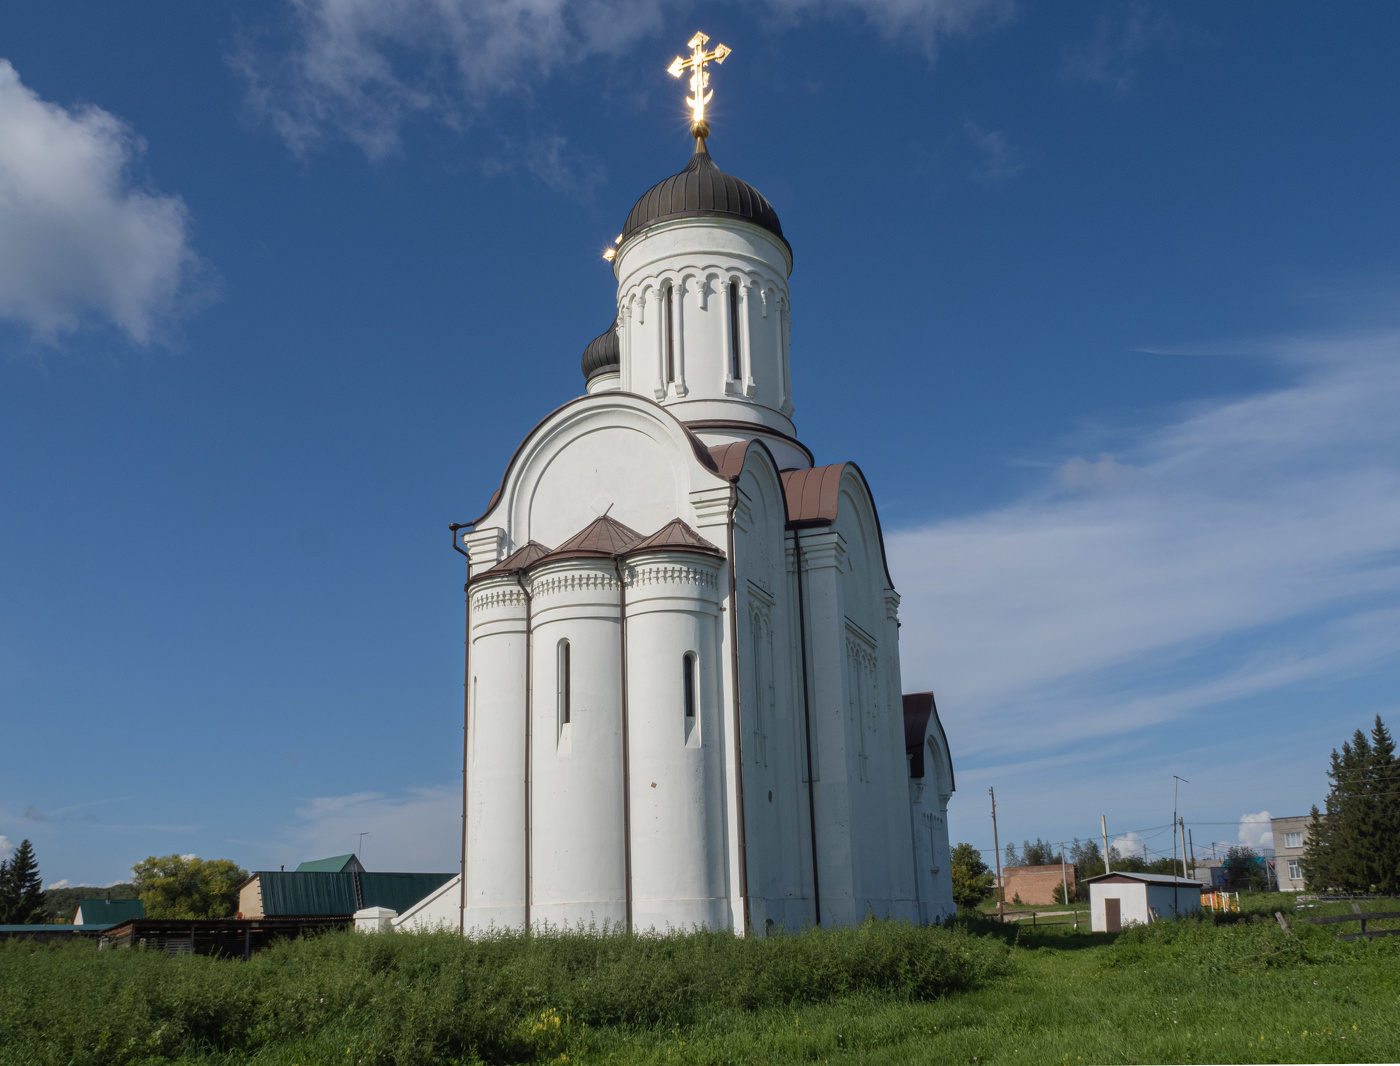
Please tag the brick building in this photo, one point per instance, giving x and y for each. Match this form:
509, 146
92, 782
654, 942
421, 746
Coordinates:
1036, 884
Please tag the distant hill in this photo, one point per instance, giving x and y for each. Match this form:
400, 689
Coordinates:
60, 903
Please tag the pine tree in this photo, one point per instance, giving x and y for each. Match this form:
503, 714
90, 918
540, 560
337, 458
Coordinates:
1385, 810
21, 888
1353, 846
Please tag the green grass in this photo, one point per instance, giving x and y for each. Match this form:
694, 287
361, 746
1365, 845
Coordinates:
1188, 991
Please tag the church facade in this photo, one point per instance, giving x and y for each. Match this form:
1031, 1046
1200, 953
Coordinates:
683, 680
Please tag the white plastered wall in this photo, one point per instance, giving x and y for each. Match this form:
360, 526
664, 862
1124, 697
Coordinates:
881, 829
690, 264
928, 802
577, 819
776, 802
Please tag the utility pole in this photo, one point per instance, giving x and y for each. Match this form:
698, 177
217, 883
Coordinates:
1103, 825
1192, 845
1064, 874
1176, 788
996, 843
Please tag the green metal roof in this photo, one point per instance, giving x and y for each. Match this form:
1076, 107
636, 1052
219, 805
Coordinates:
89, 927
110, 911
314, 892
334, 865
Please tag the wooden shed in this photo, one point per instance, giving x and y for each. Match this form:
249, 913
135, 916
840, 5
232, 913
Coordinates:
1118, 900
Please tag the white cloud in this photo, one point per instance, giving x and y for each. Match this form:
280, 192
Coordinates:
1001, 160
1256, 546
1128, 844
79, 240
1121, 36
6, 848
65, 883
416, 831
361, 68
1255, 832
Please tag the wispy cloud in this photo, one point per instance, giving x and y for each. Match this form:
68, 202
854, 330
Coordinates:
81, 241
1255, 545
553, 162
1000, 160
1122, 35
416, 830
6, 848
362, 68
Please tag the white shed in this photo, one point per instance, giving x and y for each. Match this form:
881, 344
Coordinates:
1119, 899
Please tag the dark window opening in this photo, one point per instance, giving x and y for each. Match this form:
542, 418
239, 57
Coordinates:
669, 330
565, 684
688, 682
734, 369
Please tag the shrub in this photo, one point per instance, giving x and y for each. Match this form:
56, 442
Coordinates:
420, 998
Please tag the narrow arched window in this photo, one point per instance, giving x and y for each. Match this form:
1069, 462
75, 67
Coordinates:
668, 329
565, 684
734, 370
688, 684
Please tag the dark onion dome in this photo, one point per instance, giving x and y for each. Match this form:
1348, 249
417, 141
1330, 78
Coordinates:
702, 190
601, 355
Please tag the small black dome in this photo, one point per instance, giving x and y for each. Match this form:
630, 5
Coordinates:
601, 355
703, 190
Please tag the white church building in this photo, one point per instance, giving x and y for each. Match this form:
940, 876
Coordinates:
683, 699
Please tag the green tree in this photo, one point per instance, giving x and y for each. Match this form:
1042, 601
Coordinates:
21, 888
185, 886
1244, 869
1354, 846
1039, 853
972, 881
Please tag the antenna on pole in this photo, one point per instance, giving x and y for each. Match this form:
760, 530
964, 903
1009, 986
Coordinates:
360, 846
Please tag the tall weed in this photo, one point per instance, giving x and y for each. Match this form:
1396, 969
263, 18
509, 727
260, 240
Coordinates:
415, 998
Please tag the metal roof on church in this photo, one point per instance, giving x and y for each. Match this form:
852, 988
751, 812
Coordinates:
518, 560
702, 190
602, 538
919, 707
676, 535
602, 353
813, 496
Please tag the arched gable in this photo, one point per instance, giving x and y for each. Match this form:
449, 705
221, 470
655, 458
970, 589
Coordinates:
611, 451
926, 743
815, 497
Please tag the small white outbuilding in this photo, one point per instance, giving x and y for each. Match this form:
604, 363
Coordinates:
1119, 899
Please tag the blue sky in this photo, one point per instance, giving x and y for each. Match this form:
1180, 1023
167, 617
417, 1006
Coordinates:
1101, 296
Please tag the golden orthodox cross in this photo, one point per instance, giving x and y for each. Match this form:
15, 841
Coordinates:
699, 79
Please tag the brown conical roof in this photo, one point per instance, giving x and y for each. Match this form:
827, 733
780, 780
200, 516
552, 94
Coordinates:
675, 535
518, 560
602, 538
